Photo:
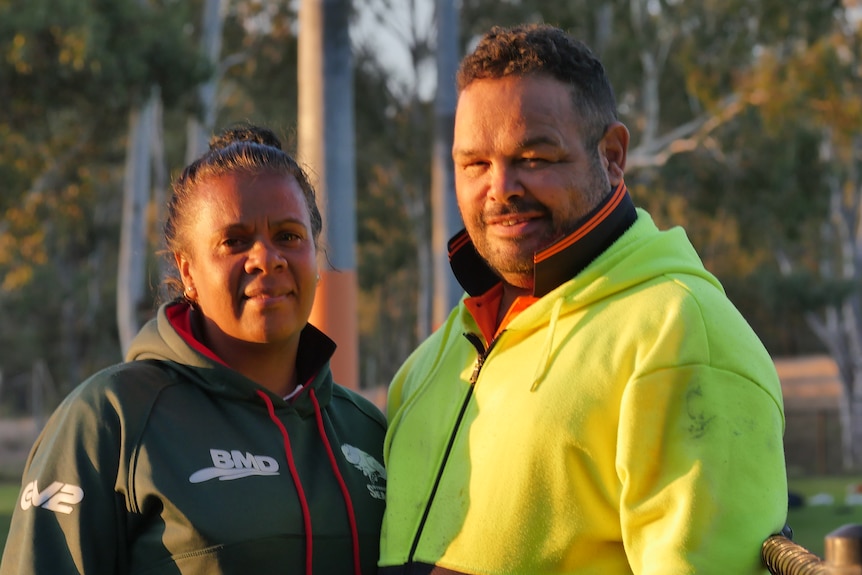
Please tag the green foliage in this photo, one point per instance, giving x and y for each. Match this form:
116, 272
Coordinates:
393, 155
97, 55
261, 84
70, 71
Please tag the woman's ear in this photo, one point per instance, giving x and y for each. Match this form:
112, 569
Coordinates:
613, 148
183, 266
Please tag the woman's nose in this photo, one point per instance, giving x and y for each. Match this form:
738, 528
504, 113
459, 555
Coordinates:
265, 256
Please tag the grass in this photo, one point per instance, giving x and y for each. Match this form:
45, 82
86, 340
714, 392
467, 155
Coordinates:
812, 523
8, 499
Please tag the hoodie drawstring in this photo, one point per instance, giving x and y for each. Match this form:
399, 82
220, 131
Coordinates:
548, 346
303, 501
348, 503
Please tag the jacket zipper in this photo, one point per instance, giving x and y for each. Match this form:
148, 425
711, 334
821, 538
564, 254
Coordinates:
476, 341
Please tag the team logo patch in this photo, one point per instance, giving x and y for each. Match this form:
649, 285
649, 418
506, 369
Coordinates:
234, 464
370, 467
58, 497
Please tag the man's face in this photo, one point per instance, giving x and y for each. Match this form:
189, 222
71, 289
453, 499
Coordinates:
523, 177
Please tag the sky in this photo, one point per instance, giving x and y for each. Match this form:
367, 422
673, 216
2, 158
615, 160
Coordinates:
384, 26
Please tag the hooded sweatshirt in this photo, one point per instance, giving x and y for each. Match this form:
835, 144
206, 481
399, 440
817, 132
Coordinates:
173, 463
627, 421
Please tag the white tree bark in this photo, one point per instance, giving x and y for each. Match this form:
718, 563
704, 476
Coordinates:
839, 325
131, 281
198, 129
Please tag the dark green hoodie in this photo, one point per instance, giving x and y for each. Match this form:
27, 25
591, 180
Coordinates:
173, 463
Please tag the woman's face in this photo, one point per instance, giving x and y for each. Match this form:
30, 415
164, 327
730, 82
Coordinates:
251, 259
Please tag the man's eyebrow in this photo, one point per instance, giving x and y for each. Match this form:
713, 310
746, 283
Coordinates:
526, 144
538, 141
464, 153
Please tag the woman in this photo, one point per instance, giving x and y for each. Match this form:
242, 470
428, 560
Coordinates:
222, 445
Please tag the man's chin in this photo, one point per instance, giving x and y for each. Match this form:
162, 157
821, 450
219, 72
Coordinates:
519, 281
512, 267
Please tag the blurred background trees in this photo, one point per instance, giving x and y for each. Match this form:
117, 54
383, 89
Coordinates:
746, 123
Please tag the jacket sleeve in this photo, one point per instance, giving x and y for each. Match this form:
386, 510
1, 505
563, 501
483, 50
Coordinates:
69, 517
701, 459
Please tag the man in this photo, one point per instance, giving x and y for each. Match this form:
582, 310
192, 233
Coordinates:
595, 405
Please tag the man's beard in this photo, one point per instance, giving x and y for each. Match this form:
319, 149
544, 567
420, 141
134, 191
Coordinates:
521, 262
516, 261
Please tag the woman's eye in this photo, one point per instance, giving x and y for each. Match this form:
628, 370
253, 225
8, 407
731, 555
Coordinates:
288, 237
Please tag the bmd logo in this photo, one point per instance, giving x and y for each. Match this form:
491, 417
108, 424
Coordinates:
234, 465
58, 497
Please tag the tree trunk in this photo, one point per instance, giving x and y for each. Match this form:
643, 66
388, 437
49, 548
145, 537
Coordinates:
198, 129
161, 183
132, 258
839, 326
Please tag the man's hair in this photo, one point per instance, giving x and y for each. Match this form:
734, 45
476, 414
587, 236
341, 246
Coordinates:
541, 49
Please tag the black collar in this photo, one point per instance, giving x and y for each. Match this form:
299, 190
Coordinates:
559, 262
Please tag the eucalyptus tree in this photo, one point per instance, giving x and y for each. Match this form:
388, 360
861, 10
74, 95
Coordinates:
820, 248
201, 124
395, 128
70, 72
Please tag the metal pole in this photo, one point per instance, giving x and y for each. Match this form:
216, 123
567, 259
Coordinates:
843, 551
843, 554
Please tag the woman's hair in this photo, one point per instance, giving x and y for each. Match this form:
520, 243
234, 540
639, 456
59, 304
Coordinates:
541, 49
245, 149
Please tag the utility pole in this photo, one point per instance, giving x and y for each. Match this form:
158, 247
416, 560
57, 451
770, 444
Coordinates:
446, 220
326, 146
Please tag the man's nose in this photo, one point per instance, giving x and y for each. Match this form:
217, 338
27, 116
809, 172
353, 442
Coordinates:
505, 183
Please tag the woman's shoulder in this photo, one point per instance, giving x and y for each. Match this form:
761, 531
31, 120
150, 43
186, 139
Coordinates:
359, 402
132, 381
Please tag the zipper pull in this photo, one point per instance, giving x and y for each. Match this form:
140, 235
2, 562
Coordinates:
475, 375
480, 358
482, 353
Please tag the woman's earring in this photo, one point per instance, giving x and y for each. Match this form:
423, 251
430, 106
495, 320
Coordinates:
188, 295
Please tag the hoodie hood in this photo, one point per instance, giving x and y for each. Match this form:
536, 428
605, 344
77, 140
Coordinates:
641, 253
560, 261
168, 337
581, 269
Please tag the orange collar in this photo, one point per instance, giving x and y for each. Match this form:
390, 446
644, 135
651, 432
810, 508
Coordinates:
486, 307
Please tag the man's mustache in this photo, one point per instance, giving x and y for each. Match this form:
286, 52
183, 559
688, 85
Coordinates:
514, 207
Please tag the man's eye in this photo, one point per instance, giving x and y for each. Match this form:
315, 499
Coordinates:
474, 166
